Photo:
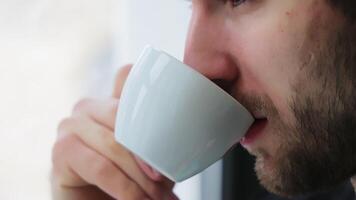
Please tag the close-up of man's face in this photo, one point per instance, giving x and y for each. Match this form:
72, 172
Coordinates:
292, 63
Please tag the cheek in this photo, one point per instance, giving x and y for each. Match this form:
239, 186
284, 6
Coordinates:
270, 69
268, 56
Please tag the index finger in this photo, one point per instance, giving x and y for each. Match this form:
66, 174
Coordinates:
118, 86
120, 80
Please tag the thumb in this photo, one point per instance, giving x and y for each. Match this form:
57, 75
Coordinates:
120, 79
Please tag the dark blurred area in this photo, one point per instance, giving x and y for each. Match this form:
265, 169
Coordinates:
240, 182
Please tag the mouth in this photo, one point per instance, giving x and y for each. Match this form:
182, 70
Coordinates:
257, 128
254, 132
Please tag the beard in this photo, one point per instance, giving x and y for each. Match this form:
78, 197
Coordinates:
318, 149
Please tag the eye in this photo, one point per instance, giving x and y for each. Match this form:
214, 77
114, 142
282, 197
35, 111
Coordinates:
236, 3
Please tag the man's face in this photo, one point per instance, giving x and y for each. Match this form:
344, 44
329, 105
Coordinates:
292, 64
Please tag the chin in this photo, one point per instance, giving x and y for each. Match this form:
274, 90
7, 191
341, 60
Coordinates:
269, 176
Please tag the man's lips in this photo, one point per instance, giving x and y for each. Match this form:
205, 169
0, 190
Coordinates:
255, 130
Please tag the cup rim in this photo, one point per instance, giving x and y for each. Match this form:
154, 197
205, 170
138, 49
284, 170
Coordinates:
226, 94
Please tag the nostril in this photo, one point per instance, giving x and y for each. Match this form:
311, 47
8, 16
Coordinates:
226, 85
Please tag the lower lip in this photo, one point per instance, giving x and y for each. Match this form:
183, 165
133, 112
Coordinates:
254, 132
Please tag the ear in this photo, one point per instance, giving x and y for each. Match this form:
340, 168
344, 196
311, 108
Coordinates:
120, 80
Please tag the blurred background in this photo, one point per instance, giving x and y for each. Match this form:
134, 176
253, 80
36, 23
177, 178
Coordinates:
54, 52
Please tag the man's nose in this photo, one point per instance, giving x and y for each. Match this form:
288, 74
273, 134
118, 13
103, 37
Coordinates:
207, 50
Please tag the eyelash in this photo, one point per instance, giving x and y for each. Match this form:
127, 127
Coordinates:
236, 3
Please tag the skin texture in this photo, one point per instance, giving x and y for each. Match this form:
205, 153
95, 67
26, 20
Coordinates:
293, 63
289, 61
89, 164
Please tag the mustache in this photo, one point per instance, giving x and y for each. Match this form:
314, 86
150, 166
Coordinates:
256, 104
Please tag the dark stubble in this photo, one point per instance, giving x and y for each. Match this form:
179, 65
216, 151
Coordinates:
318, 150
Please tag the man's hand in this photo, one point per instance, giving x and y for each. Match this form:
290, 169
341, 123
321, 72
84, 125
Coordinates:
89, 164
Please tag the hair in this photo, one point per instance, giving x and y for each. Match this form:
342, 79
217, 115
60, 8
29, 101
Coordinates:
348, 7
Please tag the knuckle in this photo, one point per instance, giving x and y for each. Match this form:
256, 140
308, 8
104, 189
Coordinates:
133, 191
82, 105
62, 145
154, 190
67, 125
60, 151
64, 124
112, 145
101, 168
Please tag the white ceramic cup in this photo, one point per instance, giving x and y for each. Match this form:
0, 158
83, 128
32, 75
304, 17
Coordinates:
174, 118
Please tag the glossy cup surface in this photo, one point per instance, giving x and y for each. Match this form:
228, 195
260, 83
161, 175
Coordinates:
174, 118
